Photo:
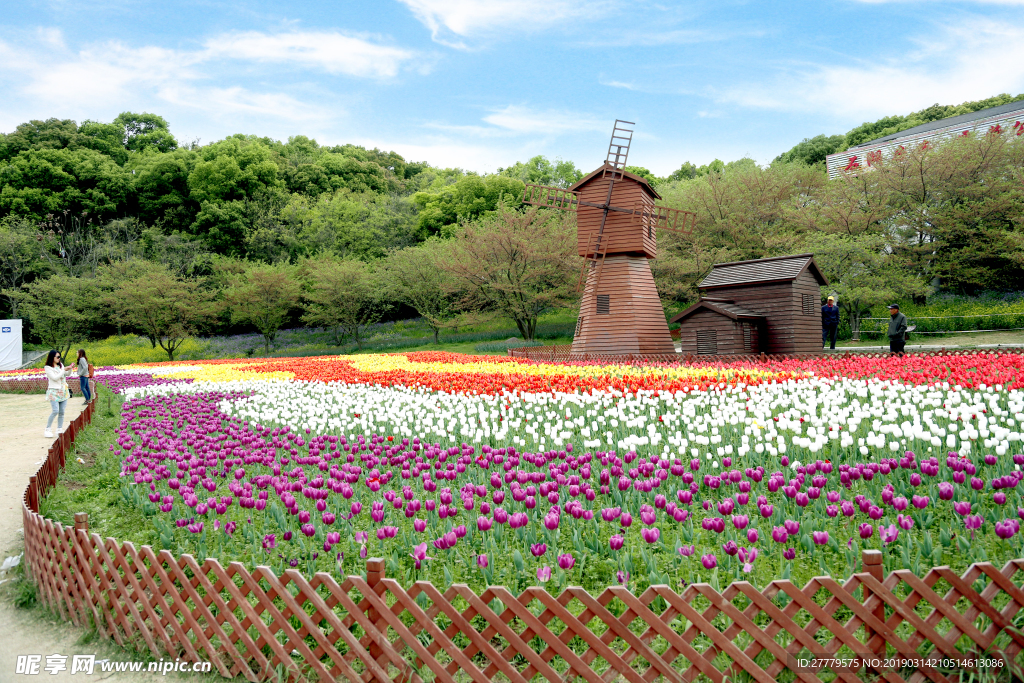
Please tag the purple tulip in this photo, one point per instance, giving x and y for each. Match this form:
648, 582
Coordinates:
651, 534
483, 524
740, 521
780, 535
626, 520
616, 542
792, 527
730, 548
962, 507
866, 530
752, 536
566, 561
687, 550
789, 553
538, 549
544, 574
888, 535
482, 561
945, 490
973, 522
1007, 528
819, 537
419, 554
920, 502
709, 561
766, 510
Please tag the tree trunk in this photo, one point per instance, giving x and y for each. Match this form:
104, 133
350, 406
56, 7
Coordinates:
437, 332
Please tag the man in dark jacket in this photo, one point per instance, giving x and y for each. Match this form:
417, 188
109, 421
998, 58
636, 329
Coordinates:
829, 322
897, 330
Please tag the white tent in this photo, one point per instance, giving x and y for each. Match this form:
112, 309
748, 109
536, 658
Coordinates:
10, 344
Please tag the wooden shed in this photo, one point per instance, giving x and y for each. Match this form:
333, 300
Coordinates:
716, 326
770, 305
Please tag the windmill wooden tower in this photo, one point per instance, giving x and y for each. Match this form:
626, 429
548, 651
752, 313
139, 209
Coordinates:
616, 232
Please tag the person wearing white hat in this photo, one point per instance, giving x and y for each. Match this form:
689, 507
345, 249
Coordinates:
829, 323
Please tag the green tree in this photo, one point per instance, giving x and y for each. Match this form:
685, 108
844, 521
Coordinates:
539, 171
20, 259
516, 265
469, 197
862, 273
812, 151
343, 295
264, 296
415, 276
145, 131
49, 181
160, 185
61, 309
165, 307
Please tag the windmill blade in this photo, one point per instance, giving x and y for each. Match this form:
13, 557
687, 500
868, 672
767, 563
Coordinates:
664, 218
550, 197
618, 147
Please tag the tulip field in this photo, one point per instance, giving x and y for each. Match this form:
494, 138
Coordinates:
485, 470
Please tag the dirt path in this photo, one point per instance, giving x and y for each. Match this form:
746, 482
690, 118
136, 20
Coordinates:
35, 631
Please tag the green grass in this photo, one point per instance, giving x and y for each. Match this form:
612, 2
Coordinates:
94, 485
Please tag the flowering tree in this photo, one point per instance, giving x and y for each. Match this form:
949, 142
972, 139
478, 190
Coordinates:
264, 296
415, 276
518, 265
167, 308
341, 294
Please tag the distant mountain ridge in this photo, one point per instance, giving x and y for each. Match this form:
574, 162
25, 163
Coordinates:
814, 150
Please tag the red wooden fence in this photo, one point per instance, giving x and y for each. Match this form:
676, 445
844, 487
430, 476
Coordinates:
254, 624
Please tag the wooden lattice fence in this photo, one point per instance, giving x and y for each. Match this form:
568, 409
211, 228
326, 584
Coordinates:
254, 624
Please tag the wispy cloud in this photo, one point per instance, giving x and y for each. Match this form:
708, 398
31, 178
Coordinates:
452, 21
330, 51
619, 84
968, 61
523, 119
44, 69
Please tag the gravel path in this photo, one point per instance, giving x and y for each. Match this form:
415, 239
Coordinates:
36, 631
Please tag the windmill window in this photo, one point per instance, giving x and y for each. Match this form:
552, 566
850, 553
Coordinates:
604, 304
579, 326
707, 342
808, 304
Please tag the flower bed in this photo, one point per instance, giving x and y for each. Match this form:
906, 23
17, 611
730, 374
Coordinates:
508, 471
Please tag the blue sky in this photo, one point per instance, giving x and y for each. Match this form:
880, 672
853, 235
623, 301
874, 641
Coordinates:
481, 84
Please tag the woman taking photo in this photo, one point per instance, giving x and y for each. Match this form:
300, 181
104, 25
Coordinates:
57, 392
83, 365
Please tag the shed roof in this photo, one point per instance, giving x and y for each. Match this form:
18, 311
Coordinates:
726, 308
950, 122
762, 271
600, 169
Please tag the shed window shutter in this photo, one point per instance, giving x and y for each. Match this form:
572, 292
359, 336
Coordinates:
747, 342
707, 342
808, 304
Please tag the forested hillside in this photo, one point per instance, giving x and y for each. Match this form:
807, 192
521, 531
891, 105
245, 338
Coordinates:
94, 213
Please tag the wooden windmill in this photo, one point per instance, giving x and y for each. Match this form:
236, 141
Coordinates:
616, 232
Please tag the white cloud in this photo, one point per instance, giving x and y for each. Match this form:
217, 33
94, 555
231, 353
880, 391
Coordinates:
969, 61
521, 119
330, 51
42, 69
619, 84
451, 20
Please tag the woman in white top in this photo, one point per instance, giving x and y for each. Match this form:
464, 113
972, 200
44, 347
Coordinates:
57, 392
